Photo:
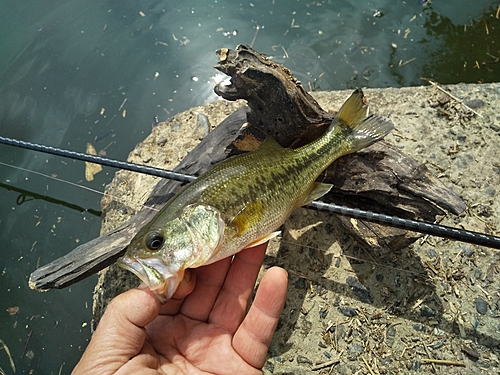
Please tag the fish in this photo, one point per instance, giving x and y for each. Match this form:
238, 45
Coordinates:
243, 200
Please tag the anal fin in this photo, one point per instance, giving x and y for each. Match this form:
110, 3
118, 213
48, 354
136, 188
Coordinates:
318, 190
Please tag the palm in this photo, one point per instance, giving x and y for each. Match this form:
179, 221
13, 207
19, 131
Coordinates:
197, 348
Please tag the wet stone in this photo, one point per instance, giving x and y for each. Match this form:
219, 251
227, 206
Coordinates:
279, 359
415, 366
427, 312
495, 127
359, 290
386, 361
300, 284
478, 273
323, 313
269, 366
481, 305
468, 251
302, 359
202, 125
348, 311
438, 344
474, 103
490, 191
431, 253
462, 161
354, 351
418, 327
471, 353
390, 333
391, 330
161, 141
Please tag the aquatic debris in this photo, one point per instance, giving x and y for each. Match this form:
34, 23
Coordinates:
91, 169
11, 361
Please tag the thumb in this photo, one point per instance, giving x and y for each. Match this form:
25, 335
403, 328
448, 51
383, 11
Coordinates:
120, 334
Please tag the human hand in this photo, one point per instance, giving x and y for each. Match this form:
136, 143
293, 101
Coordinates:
207, 330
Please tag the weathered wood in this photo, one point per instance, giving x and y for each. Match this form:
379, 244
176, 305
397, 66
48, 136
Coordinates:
380, 178
279, 106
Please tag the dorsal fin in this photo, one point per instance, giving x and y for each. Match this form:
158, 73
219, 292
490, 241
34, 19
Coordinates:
354, 110
268, 145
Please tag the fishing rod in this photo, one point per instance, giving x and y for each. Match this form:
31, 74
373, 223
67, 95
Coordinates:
423, 227
171, 175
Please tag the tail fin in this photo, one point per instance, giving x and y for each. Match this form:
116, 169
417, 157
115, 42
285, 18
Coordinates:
366, 129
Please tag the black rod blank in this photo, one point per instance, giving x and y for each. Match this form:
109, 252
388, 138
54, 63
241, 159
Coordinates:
99, 160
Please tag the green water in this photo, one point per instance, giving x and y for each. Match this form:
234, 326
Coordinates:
69, 70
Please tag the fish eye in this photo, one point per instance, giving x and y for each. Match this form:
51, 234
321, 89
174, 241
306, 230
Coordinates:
154, 241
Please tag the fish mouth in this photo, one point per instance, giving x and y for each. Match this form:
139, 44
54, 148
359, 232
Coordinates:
152, 272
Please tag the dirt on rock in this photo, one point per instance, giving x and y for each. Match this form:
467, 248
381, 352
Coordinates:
433, 307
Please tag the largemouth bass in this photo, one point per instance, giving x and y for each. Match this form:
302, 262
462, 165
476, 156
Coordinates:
242, 200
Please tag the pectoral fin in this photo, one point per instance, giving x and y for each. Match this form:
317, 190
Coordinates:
318, 190
264, 239
249, 216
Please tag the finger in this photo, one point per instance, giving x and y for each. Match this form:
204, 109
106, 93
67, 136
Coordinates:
232, 302
251, 340
186, 287
209, 281
120, 334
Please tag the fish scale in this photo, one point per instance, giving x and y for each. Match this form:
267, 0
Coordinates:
243, 199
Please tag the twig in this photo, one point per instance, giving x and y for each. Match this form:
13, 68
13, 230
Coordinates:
325, 364
368, 366
443, 362
123, 103
431, 360
26, 344
11, 361
436, 85
401, 63
257, 28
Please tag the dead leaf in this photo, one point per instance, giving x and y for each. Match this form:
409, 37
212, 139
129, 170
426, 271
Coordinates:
247, 143
91, 169
13, 310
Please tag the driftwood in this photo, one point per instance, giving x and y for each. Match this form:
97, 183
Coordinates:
379, 178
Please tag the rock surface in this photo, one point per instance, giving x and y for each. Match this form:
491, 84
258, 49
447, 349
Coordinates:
329, 272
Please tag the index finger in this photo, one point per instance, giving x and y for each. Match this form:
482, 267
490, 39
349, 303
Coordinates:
232, 301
